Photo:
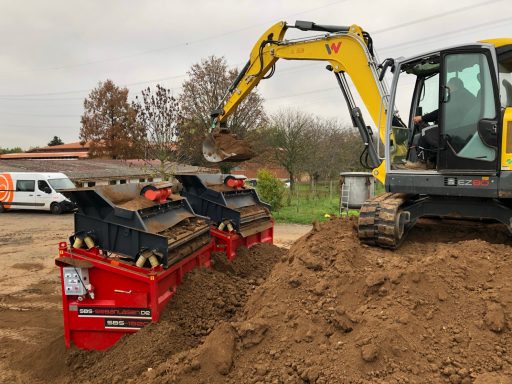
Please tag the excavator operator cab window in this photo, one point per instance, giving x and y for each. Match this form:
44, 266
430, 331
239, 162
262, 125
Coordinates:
429, 95
400, 132
468, 112
417, 94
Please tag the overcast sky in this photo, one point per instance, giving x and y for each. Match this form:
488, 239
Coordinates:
52, 53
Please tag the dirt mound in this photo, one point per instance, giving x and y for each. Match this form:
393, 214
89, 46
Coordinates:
336, 311
230, 144
206, 298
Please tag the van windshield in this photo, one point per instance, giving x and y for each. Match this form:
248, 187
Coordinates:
59, 184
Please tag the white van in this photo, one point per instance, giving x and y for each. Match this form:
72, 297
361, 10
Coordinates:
38, 191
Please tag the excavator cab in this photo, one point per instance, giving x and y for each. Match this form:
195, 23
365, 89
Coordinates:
454, 92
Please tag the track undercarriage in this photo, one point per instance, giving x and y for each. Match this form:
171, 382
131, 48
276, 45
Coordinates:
382, 222
385, 219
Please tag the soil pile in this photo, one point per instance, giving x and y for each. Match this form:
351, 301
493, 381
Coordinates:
230, 144
138, 202
438, 310
206, 298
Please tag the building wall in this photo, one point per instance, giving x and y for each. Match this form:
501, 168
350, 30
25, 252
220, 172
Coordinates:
80, 183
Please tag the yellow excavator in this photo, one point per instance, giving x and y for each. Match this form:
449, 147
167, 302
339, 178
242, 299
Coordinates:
449, 155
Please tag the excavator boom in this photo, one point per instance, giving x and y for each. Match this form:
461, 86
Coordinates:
346, 49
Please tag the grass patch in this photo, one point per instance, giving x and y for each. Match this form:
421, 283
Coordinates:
306, 210
306, 204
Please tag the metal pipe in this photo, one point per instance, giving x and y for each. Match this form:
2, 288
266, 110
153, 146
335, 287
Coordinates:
153, 260
78, 242
89, 242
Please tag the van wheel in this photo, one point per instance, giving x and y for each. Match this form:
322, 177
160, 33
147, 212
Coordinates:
2, 209
56, 209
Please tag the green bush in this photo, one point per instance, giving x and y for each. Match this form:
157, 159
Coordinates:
270, 189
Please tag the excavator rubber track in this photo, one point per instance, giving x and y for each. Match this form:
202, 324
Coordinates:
382, 223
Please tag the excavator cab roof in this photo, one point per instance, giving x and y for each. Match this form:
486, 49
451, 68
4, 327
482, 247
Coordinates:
428, 63
423, 67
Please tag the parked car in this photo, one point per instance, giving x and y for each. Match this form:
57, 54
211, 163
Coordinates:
252, 182
36, 191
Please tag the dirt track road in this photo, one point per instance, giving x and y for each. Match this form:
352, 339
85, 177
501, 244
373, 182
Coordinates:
30, 309
286, 234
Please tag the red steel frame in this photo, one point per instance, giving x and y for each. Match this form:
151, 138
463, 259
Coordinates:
126, 297
229, 242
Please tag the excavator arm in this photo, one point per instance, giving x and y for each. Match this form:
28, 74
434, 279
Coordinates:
346, 49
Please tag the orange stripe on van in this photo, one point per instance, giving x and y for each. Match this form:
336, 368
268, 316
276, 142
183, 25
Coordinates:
6, 189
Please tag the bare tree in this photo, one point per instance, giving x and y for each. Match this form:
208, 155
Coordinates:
290, 135
315, 156
202, 92
158, 114
108, 122
334, 148
350, 150
304, 143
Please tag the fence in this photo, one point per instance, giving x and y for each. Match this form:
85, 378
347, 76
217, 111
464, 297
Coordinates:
317, 191
324, 196
321, 197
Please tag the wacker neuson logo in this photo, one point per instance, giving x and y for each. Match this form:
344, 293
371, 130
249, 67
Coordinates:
334, 47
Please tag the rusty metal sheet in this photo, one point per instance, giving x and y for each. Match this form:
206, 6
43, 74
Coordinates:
253, 228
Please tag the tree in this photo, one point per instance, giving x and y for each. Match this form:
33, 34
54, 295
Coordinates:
290, 135
10, 150
332, 149
55, 141
158, 115
316, 156
270, 189
203, 91
108, 123
350, 150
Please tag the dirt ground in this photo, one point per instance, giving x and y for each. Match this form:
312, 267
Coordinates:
328, 310
29, 286
286, 234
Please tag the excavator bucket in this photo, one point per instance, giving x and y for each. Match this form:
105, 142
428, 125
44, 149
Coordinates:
226, 147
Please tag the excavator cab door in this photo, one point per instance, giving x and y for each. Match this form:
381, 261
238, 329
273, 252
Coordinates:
469, 112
